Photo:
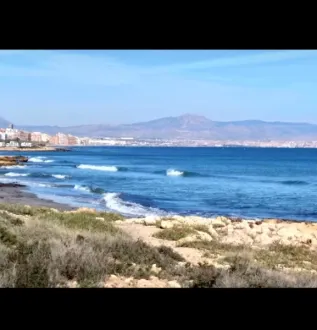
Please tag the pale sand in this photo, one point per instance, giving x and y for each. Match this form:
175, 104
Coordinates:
13, 193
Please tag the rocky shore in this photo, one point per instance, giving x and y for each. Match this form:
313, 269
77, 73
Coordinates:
85, 248
12, 160
256, 233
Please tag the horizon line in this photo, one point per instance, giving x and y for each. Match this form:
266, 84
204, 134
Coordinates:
193, 115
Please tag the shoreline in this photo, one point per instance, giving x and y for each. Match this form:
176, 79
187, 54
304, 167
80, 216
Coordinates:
10, 149
15, 193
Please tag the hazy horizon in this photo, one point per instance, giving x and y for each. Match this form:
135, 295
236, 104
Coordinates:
70, 88
156, 118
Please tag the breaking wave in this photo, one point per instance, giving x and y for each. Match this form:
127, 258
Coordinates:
40, 160
59, 176
12, 174
14, 166
172, 172
82, 188
115, 203
101, 168
94, 190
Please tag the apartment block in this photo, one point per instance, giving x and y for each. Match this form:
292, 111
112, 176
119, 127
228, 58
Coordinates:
24, 136
73, 140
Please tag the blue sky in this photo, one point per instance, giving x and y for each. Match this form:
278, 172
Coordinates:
123, 86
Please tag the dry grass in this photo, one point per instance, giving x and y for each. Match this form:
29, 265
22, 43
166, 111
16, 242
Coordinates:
175, 233
50, 249
214, 246
45, 211
180, 231
273, 257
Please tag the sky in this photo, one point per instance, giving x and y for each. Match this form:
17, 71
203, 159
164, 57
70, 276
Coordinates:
78, 87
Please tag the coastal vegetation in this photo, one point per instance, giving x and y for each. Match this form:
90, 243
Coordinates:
45, 247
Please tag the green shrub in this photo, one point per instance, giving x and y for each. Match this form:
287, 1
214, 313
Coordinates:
174, 234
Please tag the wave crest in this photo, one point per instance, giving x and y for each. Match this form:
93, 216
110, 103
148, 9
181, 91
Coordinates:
11, 167
40, 160
116, 204
81, 188
98, 168
12, 174
94, 190
59, 176
172, 172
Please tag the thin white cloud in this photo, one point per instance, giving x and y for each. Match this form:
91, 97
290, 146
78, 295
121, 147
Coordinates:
241, 60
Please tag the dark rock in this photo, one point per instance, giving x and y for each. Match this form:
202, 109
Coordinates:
11, 185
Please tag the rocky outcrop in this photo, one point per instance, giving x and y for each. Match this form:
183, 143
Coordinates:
114, 281
12, 160
11, 185
237, 231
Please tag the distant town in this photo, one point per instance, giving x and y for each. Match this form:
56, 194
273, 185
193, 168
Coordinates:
11, 137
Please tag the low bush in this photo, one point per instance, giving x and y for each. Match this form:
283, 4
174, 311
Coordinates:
175, 233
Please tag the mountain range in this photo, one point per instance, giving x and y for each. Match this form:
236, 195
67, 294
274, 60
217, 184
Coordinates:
188, 126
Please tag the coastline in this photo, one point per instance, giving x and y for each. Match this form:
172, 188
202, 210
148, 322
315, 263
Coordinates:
166, 252
14, 193
9, 149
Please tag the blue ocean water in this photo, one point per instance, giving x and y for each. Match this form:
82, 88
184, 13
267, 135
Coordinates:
139, 181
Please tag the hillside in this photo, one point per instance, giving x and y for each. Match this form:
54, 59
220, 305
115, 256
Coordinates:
192, 127
4, 122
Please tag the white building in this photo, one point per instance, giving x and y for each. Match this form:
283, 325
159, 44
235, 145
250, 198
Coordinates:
12, 144
12, 133
26, 144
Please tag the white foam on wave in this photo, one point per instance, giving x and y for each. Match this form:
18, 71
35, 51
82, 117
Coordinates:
11, 167
40, 160
115, 203
98, 168
27, 183
37, 184
59, 176
172, 172
43, 185
79, 187
15, 174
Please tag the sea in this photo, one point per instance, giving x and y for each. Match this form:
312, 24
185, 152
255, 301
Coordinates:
160, 181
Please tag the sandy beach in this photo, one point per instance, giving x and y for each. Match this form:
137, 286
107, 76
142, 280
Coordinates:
14, 193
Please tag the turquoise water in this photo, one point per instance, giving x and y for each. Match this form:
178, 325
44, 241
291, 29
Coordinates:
138, 181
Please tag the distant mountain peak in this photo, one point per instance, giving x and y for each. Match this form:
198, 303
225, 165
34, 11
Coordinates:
189, 119
192, 116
